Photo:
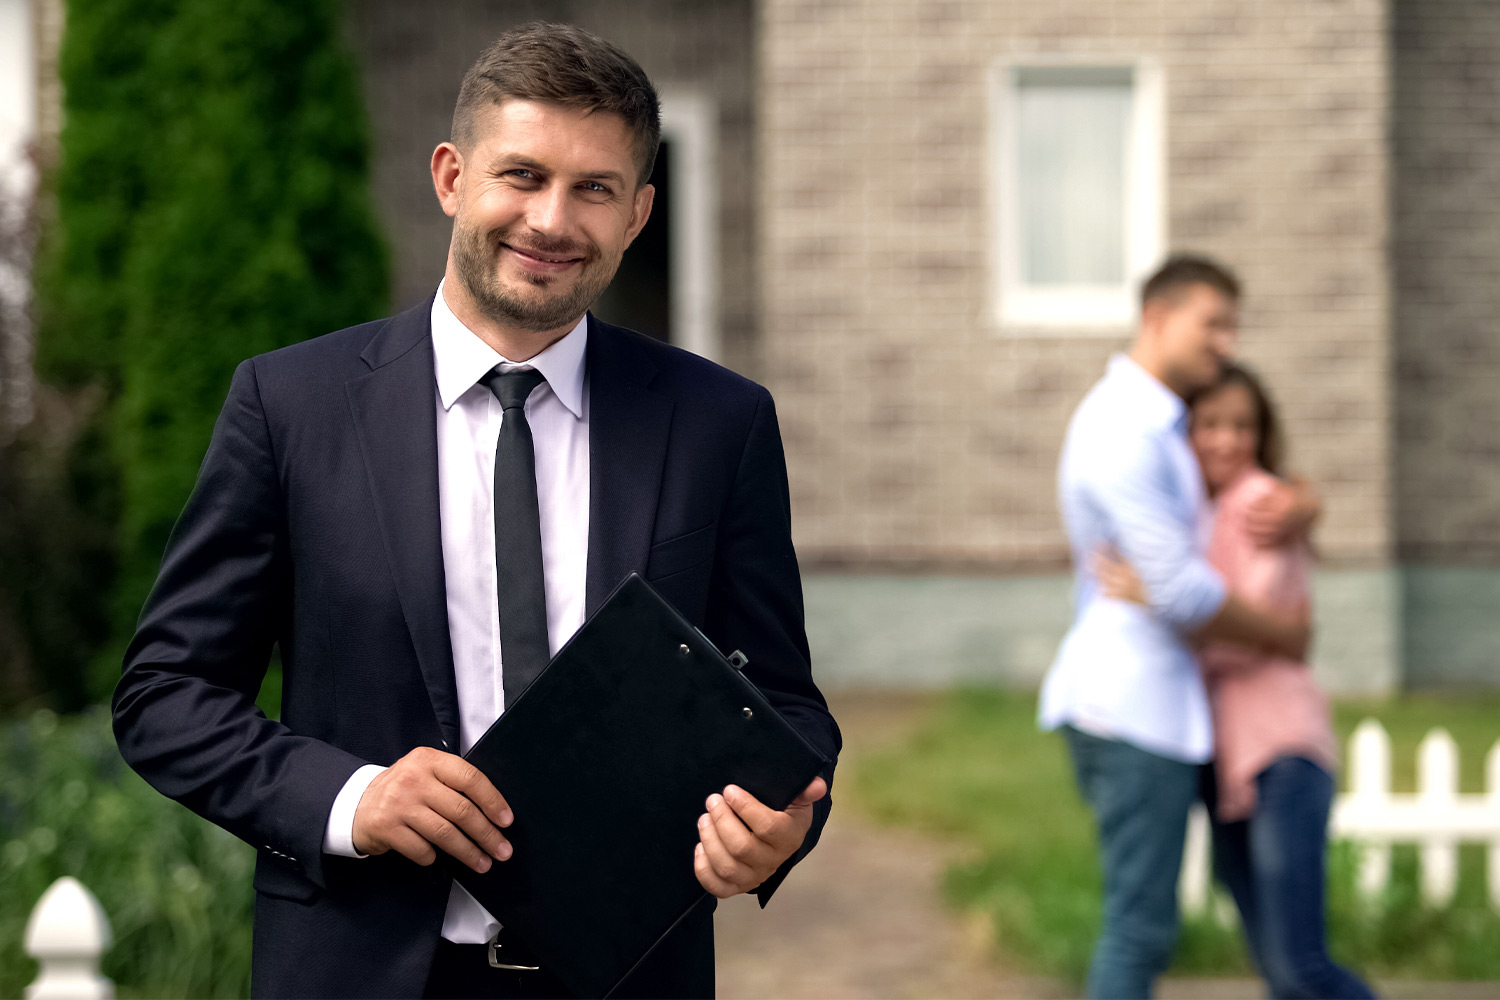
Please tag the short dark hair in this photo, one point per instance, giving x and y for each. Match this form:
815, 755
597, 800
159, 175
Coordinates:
563, 64
1270, 444
1183, 269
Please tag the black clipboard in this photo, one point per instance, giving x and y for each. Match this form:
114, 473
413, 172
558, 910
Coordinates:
606, 761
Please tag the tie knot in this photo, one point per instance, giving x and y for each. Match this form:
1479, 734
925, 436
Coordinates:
512, 387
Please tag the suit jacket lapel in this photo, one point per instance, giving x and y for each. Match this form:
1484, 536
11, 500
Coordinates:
396, 422
628, 430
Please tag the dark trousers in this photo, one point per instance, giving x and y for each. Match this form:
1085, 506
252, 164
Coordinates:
1273, 865
1141, 803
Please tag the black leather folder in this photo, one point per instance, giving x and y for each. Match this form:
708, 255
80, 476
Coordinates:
606, 760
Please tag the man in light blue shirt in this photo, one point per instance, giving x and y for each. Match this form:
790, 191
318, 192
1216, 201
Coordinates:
1125, 689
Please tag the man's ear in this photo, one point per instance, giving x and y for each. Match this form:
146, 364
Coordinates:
1154, 314
640, 211
447, 168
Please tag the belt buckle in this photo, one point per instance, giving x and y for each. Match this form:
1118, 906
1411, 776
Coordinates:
493, 951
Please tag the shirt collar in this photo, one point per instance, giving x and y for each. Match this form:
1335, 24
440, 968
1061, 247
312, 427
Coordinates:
461, 359
1158, 405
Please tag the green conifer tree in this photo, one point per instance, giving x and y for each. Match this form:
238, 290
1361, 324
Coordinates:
212, 203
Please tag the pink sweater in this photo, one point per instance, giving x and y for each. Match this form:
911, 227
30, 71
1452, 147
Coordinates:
1264, 706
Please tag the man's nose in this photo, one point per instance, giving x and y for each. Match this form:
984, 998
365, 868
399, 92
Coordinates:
548, 211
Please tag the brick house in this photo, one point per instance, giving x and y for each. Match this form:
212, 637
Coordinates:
875, 241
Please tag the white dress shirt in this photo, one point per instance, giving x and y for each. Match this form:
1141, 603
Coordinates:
1128, 479
468, 427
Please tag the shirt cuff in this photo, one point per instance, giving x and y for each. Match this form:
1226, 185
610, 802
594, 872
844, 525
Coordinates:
338, 835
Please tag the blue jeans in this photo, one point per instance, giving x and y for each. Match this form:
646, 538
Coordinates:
1272, 863
1141, 802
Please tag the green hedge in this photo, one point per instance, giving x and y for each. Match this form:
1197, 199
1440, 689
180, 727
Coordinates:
211, 203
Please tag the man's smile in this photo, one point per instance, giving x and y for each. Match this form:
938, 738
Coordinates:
541, 261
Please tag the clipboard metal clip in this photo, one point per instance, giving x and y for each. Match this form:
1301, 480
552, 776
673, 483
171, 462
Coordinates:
737, 659
495, 956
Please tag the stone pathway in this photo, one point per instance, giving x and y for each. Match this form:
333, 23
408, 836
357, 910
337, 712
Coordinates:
863, 917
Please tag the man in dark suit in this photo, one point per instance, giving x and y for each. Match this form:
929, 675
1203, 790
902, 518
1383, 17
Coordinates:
421, 509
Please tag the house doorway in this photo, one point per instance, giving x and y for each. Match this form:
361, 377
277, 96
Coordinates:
667, 284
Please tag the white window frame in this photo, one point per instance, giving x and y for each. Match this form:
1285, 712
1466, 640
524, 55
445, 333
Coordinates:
18, 131
1082, 309
690, 122
18, 94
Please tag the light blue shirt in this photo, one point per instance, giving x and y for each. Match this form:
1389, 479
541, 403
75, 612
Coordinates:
1128, 479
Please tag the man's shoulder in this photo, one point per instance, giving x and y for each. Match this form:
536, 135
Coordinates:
679, 373
331, 353
1110, 445
1106, 420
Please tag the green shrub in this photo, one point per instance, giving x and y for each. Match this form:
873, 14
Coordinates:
211, 203
175, 887
55, 552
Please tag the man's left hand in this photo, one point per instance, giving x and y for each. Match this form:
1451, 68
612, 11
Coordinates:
742, 841
1283, 514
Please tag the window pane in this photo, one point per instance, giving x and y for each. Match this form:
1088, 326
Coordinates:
1071, 131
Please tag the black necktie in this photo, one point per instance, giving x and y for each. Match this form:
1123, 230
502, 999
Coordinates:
518, 536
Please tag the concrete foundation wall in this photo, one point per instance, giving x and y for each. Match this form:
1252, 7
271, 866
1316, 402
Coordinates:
1452, 628
934, 632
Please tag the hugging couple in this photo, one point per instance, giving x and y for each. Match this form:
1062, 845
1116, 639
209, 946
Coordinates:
1184, 673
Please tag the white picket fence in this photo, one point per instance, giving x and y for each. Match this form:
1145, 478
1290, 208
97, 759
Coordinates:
1436, 817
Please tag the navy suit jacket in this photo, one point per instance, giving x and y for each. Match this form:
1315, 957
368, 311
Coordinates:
314, 527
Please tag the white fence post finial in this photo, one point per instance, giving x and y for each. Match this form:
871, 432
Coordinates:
67, 934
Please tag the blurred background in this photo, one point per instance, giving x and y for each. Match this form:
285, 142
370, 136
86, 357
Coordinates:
921, 225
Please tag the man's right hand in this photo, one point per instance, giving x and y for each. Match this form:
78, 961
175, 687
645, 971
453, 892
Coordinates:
430, 800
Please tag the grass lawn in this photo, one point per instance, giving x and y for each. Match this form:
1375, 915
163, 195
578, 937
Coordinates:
977, 770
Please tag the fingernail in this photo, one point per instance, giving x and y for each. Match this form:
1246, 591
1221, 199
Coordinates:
714, 800
506, 817
484, 864
504, 850
698, 851
732, 792
703, 822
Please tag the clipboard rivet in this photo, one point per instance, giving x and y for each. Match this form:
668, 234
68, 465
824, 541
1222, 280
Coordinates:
749, 714
683, 650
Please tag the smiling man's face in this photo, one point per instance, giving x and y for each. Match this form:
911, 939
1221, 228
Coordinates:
544, 204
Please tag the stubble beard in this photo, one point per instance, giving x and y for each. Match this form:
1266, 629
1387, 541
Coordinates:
476, 256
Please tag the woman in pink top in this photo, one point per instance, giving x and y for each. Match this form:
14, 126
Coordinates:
1271, 784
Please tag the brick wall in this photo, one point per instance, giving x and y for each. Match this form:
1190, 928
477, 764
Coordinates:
1446, 263
413, 63
916, 432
